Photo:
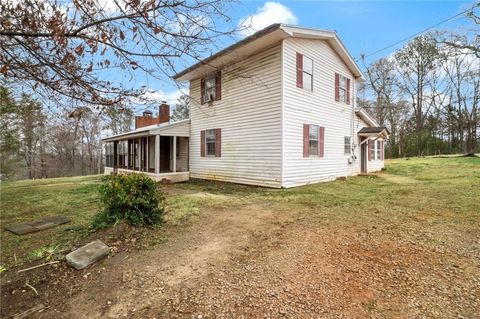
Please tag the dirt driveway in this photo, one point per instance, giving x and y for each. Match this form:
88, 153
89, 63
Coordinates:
256, 263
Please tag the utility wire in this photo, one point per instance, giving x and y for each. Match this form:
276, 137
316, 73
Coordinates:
423, 31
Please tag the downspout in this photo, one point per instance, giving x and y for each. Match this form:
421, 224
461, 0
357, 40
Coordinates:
352, 129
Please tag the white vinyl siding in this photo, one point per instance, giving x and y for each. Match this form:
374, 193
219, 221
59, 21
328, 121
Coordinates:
250, 117
319, 107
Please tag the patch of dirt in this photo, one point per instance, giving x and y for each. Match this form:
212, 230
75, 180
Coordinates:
255, 262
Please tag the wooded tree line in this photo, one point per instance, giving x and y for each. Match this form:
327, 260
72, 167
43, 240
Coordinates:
38, 143
427, 94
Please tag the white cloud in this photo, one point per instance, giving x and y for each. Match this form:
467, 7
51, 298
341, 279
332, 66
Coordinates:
152, 98
270, 13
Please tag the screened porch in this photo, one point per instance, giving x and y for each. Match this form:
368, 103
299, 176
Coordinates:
160, 151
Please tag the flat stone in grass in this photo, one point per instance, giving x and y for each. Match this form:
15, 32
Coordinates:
37, 225
59, 220
87, 255
45, 225
20, 229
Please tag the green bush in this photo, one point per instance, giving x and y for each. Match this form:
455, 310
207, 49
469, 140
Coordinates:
133, 198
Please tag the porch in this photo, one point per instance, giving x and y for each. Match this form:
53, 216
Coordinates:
159, 151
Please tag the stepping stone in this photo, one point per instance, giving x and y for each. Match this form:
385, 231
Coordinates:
59, 220
21, 229
37, 225
87, 255
45, 225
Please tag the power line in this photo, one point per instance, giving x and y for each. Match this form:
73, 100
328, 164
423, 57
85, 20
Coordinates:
423, 31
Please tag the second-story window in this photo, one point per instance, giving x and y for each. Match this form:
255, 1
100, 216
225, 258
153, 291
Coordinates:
307, 73
209, 94
342, 89
304, 72
211, 88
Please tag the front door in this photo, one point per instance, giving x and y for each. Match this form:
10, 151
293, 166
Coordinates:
165, 153
363, 156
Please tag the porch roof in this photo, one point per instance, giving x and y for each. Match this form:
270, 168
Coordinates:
374, 132
180, 128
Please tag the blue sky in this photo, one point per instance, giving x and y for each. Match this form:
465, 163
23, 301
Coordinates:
364, 26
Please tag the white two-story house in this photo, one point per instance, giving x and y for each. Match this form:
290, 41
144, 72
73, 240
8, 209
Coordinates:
276, 109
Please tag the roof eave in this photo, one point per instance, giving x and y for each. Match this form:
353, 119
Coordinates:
333, 39
366, 117
288, 30
181, 76
383, 134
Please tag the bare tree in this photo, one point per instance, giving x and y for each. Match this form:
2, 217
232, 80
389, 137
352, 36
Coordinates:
118, 120
65, 47
463, 72
91, 126
469, 44
417, 65
29, 120
182, 108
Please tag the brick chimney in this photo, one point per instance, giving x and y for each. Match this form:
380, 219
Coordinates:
147, 118
164, 113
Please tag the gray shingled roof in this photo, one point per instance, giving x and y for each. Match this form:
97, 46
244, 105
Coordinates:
377, 129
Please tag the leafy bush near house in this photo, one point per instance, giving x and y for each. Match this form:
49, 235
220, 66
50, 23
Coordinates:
133, 198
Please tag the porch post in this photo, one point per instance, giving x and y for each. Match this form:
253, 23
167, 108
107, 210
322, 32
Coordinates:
140, 154
115, 154
134, 161
125, 155
127, 158
174, 168
147, 159
157, 154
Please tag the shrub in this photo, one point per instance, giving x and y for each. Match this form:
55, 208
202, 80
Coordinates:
133, 198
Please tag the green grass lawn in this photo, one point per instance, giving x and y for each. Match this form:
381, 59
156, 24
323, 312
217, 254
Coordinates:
444, 191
